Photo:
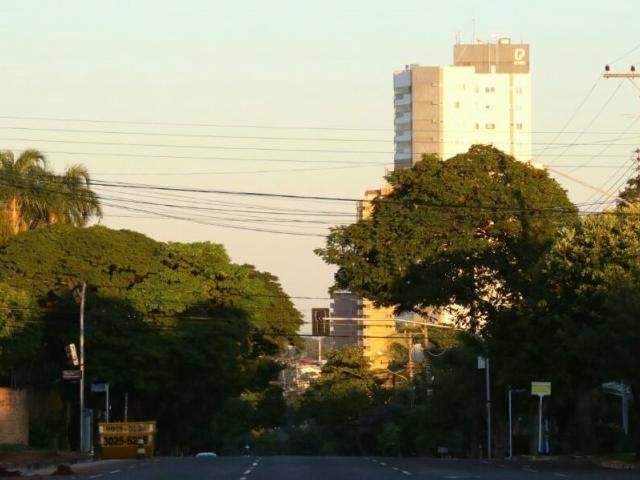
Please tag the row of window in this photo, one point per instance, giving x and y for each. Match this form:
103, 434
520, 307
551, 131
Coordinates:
492, 126
517, 90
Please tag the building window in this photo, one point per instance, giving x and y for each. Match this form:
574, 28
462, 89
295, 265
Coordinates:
457, 105
477, 126
488, 107
518, 126
519, 90
490, 89
490, 126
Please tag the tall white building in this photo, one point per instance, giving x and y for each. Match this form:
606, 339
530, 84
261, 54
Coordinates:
483, 98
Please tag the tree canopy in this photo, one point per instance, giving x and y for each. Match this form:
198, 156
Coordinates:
464, 231
192, 337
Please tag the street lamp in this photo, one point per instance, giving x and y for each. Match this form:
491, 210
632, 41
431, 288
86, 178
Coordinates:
411, 387
511, 391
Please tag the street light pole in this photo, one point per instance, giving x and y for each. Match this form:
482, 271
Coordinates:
488, 382
510, 428
82, 302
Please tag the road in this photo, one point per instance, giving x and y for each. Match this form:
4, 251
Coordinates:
335, 468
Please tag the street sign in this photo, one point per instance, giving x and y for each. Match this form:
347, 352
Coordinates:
320, 326
71, 374
72, 354
541, 389
99, 387
482, 363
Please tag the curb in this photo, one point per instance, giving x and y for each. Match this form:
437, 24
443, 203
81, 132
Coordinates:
617, 465
37, 467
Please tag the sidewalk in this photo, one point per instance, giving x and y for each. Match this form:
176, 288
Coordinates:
30, 461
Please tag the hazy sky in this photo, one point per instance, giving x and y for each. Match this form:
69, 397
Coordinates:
295, 64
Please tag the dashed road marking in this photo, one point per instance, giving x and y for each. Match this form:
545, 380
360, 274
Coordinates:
560, 475
383, 464
247, 472
96, 476
396, 469
405, 472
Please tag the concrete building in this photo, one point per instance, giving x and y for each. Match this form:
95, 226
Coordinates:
483, 98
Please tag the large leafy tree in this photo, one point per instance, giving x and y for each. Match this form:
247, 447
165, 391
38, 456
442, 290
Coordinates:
33, 195
580, 328
192, 337
464, 231
340, 401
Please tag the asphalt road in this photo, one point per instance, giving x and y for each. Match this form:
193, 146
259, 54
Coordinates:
336, 468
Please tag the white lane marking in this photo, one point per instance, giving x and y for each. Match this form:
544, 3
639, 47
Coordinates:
243, 478
396, 469
560, 475
114, 471
255, 464
374, 460
247, 472
383, 464
96, 476
405, 472
528, 469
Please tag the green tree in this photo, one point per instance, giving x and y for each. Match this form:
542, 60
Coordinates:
186, 332
463, 231
580, 328
339, 402
33, 195
20, 335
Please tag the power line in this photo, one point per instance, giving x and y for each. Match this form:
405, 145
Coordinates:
202, 147
249, 126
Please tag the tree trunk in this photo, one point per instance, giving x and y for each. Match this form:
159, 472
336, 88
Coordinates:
584, 421
14, 215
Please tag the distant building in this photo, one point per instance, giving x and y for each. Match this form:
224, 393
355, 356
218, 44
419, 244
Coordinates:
483, 98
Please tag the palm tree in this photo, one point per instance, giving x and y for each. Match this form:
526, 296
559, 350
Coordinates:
32, 195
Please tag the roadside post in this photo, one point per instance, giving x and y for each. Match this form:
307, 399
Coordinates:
509, 395
541, 389
483, 364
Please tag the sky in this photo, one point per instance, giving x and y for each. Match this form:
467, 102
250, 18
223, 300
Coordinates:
194, 73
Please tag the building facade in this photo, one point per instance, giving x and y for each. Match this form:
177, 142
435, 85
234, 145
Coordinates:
483, 98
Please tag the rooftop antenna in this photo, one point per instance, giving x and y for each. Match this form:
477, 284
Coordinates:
473, 29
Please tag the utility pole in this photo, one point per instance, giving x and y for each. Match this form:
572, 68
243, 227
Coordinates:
488, 382
82, 302
410, 359
631, 75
